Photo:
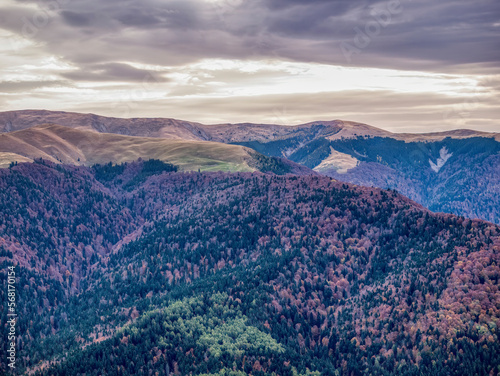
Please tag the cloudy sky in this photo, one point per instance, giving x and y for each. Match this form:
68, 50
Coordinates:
402, 65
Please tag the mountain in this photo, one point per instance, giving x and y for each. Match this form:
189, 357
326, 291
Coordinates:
77, 146
457, 174
460, 176
160, 127
455, 171
166, 128
138, 269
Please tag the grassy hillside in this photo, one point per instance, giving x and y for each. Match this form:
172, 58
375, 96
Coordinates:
141, 127
67, 145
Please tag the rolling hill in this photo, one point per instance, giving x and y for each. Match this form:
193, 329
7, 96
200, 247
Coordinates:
165, 128
62, 144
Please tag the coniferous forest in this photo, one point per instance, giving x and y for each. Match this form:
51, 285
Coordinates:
139, 269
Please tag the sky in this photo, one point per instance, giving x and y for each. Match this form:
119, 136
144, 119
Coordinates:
400, 65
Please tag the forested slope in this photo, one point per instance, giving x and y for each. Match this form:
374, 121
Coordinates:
139, 269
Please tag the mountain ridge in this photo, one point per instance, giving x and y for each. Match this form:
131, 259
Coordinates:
223, 132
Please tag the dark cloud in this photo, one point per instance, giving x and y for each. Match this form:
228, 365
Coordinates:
138, 18
23, 86
76, 19
393, 33
113, 72
402, 34
286, 4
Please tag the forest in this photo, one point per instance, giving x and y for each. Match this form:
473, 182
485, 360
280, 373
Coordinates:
140, 269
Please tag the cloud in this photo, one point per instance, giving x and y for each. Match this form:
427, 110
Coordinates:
421, 34
113, 72
76, 19
23, 86
114, 42
407, 112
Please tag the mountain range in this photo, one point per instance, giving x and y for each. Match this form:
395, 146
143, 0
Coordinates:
456, 171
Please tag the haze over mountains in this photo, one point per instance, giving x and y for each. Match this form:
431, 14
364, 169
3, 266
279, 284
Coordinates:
455, 171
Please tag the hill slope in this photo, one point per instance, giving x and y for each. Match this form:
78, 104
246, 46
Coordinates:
460, 176
76, 146
227, 133
455, 171
245, 273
